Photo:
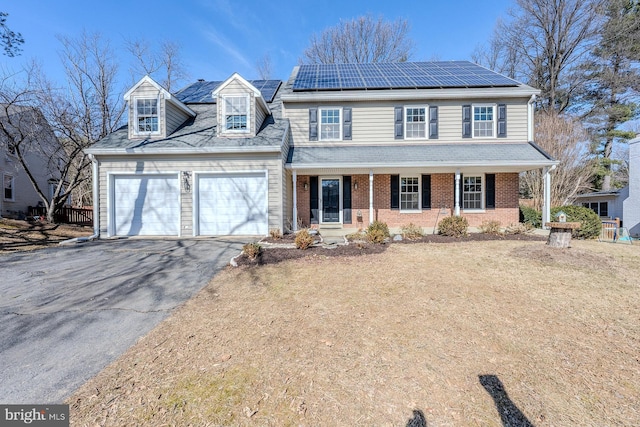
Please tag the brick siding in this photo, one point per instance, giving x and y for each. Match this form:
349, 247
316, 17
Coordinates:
442, 202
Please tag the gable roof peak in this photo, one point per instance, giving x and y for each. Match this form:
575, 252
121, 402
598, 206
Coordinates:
244, 82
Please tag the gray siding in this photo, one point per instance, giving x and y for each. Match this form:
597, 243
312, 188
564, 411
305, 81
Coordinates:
147, 90
200, 163
373, 121
260, 115
175, 117
631, 206
24, 195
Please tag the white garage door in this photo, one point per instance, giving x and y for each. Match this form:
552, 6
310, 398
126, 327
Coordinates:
232, 204
146, 205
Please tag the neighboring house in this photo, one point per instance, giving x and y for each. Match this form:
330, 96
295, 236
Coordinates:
337, 146
18, 193
624, 203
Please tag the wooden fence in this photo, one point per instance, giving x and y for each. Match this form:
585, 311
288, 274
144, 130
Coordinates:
81, 216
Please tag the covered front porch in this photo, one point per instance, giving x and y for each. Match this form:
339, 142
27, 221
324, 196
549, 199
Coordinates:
349, 196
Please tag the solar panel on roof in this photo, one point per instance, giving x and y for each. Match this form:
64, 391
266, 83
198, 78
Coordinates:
201, 92
397, 75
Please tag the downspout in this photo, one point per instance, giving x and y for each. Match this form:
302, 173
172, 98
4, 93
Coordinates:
96, 208
530, 111
546, 206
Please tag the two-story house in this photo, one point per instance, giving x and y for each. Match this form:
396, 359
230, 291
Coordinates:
336, 146
37, 141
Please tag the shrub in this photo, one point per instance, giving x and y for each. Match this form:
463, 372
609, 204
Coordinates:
411, 231
590, 224
275, 233
519, 228
531, 216
454, 226
378, 232
490, 227
303, 239
252, 250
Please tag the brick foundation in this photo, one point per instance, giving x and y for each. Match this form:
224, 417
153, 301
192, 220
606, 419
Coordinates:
442, 202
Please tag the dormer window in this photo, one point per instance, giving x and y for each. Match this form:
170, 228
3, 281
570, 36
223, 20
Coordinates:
236, 113
147, 116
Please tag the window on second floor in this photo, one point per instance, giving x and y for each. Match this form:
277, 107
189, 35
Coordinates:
483, 121
8, 183
415, 122
236, 113
330, 124
147, 117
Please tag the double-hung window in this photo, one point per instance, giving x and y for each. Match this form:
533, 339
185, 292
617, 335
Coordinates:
8, 183
409, 193
330, 128
472, 192
147, 116
601, 208
484, 121
415, 122
236, 113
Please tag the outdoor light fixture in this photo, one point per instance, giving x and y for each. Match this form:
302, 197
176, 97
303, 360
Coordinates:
306, 186
355, 185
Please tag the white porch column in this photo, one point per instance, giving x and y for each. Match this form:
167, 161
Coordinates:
370, 196
294, 226
546, 201
457, 197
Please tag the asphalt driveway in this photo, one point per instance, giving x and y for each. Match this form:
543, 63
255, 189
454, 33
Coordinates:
65, 313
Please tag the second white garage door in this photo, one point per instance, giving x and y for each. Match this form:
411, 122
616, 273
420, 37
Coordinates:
232, 204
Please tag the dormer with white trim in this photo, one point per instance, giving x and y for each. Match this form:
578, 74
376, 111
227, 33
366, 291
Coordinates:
153, 112
241, 108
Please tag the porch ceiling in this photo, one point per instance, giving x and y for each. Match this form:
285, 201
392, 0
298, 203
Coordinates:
497, 157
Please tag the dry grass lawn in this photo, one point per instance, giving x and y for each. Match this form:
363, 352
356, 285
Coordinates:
17, 235
469, 334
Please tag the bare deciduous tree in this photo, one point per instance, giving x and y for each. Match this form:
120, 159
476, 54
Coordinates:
265, 67
361, 40
164, 64
565, 140
542, 43
9, 40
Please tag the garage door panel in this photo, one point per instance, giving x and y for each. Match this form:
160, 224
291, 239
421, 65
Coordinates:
232, 204
146, 205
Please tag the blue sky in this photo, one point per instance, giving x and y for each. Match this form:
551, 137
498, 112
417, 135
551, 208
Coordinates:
219, 37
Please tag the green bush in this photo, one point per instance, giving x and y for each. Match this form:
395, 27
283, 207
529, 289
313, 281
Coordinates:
454, 226
490, 227
378, 232
252, 250
303, 239
411, 231
590, 224
530, 216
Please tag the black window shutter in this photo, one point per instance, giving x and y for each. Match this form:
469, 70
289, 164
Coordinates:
395, 191
466, 121
502, 121
346, 199
490, 190
313, 124
346, 123
313, 204
433, 122
426, 191
399, 122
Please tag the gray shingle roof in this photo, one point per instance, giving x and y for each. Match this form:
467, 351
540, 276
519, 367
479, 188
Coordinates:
200, 134
479, 154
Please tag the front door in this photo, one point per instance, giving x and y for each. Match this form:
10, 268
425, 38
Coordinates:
330, 190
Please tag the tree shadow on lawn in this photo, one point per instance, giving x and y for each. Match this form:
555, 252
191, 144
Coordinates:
510, 415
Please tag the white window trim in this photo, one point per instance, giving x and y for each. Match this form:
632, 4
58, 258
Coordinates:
223, 115
340, 119
135, 116
483, 196
426, 121
495, 121
419, 176
13, 187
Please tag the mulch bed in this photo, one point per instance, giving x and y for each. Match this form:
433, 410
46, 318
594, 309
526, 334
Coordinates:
273, 255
